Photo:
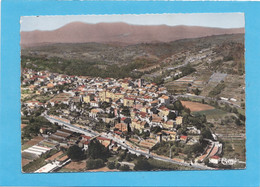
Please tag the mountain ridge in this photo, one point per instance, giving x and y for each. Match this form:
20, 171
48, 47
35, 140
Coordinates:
118, 32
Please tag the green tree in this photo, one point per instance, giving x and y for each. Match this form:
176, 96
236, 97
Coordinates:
234, 110
238, 122
242, 117
124, 168
171, 107
206, 133
178, 106
142, 165
186, 70
196, 91
128, 157
25, 112
95, 163
97, 150
187, 110
197, 148
105, 105
75, 153
118, 165
171, 116
125, 111
111, 165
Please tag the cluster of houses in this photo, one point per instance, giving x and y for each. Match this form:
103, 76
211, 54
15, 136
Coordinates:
128, 105
146, 102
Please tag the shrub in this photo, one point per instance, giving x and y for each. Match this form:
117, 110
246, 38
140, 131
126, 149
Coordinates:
118, 165
95, 163
124, 168
111, 165
75, 153
143, 165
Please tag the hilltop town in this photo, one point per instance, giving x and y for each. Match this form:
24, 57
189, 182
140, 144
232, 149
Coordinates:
84, 123
125, 97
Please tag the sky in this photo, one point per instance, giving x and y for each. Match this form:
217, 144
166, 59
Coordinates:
221, 20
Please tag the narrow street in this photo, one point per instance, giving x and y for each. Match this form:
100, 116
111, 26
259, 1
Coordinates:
121, 143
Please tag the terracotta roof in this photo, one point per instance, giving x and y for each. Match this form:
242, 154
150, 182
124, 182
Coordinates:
86, 137
155, 101
143, 114
184, 137
163, 108
94, 111
117, 132
215, 157
170, 122
156, 120
85, 142
169, 132
165, 97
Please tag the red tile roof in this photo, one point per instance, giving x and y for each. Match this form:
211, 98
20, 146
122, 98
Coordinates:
184, 137
215, 157
86, 137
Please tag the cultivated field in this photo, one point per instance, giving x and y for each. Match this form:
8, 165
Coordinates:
215, 114
32, 142
103, 169
76, 166
196, 107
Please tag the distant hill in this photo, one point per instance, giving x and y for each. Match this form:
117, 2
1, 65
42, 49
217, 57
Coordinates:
99, 59
78, 32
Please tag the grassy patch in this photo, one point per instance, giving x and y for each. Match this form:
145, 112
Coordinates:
157, 164
67, 170
212, 114
34, 165
234, 149
25, 146
241, 111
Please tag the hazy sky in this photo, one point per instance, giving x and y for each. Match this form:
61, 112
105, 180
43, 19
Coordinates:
222, 20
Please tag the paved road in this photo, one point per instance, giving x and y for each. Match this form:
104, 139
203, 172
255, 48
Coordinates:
186, 62
154, 74
121, 142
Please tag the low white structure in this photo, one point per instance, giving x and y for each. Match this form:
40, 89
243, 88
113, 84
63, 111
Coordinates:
214, 159
47, 168
233, 99
37, 150
224, 98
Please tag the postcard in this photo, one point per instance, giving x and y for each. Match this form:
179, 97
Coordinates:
148, 92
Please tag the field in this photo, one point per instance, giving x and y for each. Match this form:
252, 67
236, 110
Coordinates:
103, 169
235, 149
213, 114
77, 166
32, 142
25, 161
66, 170
196, 107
